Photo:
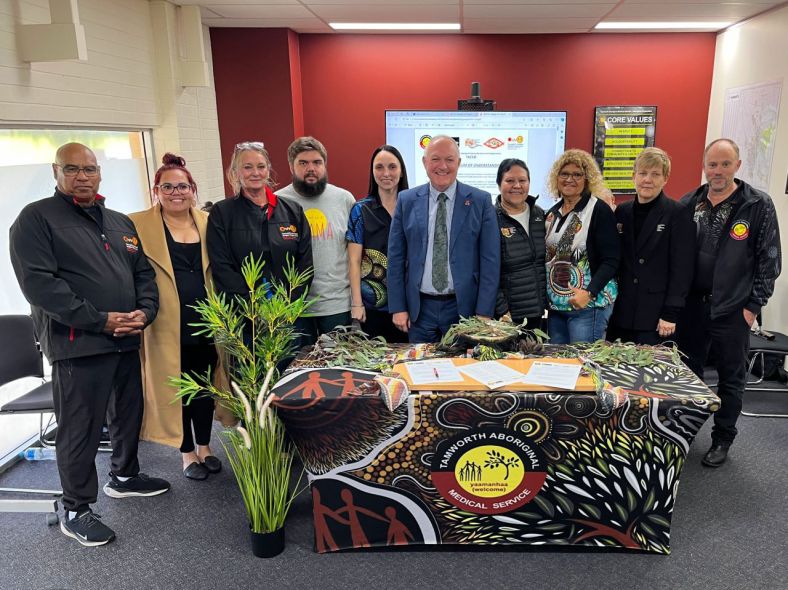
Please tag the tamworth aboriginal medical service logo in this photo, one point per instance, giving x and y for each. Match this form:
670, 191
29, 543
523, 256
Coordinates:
740, 230
488, 470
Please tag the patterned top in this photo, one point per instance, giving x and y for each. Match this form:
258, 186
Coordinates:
369, 226
567, 259
712, 224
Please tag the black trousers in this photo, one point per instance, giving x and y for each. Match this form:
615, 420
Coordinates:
379, 324
86, 390
729, 336
651, 337
199, 413
311, 327
533, 323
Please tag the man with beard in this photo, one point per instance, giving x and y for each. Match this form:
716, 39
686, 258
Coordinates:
737, 260
327, 208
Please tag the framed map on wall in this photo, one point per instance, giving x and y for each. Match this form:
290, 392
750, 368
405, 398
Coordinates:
750, 119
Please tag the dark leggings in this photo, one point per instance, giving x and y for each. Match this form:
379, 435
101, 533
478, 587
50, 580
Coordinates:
198, 413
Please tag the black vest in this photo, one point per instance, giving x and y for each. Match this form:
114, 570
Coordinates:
523, 286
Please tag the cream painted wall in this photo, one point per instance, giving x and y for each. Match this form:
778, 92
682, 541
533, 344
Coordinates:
751, 53
120, 86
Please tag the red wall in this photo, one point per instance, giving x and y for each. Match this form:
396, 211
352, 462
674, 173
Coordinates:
348, 81
254, 92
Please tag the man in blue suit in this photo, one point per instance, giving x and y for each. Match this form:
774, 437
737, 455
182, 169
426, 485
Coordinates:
444, 250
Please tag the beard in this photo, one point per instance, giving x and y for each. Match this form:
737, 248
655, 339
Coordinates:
306, 189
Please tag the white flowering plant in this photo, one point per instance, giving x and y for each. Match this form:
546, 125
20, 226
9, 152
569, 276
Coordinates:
253, 334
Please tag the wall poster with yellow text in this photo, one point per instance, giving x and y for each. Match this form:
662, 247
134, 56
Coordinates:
620, 134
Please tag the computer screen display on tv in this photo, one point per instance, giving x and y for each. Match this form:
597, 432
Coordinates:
485, 139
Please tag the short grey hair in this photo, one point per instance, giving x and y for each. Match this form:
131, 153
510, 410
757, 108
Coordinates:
440, 138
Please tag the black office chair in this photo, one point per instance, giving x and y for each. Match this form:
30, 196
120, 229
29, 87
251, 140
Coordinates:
21, 357
759, 347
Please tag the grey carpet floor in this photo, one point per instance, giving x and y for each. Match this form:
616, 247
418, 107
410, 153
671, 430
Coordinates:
729, 531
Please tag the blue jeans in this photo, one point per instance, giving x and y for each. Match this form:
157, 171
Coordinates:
582, 325
435, 318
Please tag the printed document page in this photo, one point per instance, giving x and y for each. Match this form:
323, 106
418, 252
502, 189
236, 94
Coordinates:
560, 376
434, 371
492, 374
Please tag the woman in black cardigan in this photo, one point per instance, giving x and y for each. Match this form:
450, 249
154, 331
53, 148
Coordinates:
582, 252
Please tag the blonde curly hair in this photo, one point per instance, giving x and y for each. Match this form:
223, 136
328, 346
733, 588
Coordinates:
581, 159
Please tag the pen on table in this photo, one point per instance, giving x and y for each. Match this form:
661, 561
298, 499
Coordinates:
434, 370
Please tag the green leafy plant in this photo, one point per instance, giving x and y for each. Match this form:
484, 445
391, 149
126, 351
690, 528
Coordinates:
481, 330
253, 333
596, 355
346, 347
492, 337
487, 353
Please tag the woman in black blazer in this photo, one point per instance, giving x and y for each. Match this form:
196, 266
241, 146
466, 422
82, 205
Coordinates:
657, 256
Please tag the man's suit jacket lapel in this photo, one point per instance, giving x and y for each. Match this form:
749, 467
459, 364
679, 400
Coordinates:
649, 236
422, 212
459, 213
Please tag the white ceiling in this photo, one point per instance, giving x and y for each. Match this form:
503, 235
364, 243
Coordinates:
475, 16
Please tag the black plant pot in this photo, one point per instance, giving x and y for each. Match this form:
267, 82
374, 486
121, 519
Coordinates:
268, 544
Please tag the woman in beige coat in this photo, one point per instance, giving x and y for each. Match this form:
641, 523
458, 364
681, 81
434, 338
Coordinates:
173, 235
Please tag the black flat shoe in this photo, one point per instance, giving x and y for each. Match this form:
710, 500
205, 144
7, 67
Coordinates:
212, 464
196, 471
716, 455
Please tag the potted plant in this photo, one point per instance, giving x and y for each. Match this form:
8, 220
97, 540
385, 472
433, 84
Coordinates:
253, 334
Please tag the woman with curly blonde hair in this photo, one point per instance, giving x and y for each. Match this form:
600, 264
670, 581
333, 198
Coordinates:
582, 251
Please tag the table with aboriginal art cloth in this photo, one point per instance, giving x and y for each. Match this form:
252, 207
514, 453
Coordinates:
390, 467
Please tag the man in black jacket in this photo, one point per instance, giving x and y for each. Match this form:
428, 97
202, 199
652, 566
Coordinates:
737, 261
655, 272
92, 291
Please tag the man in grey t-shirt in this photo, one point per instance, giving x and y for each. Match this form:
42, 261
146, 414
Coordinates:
327, 207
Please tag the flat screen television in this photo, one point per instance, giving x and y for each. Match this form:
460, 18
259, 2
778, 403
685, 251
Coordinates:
485, 139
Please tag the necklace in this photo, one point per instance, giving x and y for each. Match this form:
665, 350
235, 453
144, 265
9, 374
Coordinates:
510, 211
190, 225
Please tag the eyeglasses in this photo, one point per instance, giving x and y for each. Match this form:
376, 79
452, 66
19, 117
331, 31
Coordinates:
572, 175
249, 145
169, 189
71, 170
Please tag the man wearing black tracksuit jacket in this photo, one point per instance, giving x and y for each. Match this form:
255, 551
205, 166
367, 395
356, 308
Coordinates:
737, 261
92, 291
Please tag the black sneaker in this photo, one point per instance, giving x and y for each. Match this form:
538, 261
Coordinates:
141, 485
87, 529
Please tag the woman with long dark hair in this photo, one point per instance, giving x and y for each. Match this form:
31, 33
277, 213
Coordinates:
368, 236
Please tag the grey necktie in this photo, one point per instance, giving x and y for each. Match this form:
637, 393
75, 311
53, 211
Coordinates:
440, 247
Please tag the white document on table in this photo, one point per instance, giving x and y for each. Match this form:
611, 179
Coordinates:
433, 371
558, 375
492, 373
